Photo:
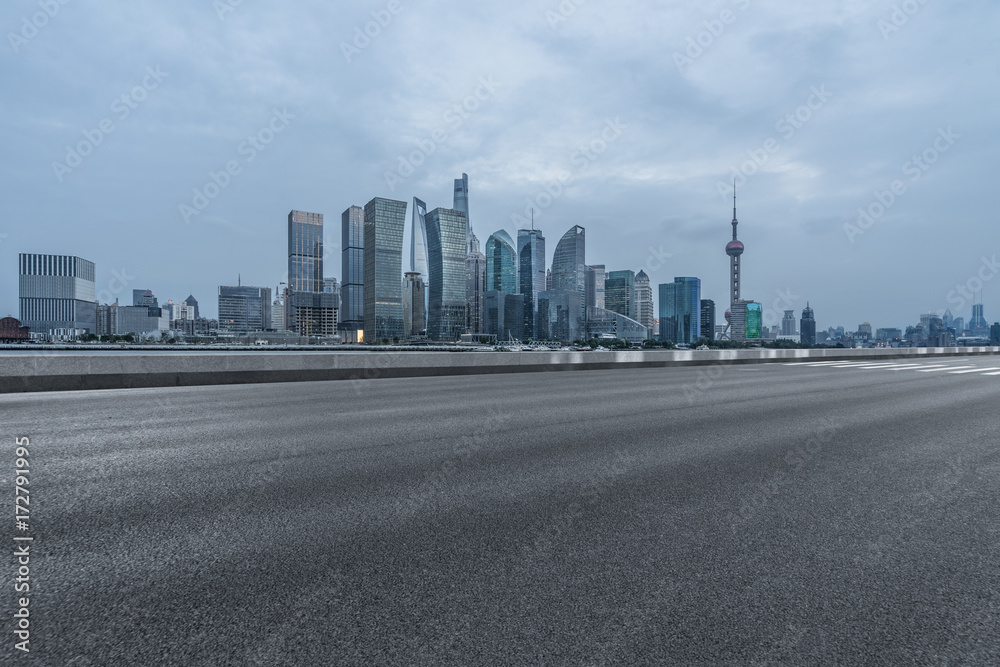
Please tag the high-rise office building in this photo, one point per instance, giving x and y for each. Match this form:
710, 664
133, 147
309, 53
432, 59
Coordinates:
144, 297
193, 303
807, 326
57, 292
352, 278
278, 311
244, 308
569, 272
559, 315
530, 274
385, 220
503, 315
501, 263
619, 293
147, 321
995, 333
446, 292
978, 325
475, 287
305, 251
461, 203
414, 300
305, 271
708, 319
788, 323
680, 310
595, 286
644, 300
418, 238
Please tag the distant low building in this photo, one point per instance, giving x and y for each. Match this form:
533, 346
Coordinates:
11, 331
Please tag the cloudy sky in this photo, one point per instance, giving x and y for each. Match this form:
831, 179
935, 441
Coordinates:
167, 141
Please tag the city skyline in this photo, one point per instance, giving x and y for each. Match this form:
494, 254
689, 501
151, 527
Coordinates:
815, 150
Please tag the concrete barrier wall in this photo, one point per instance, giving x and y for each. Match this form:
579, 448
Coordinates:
67, 371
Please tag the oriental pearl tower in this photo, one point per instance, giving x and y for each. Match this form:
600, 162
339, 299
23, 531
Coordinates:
734, 249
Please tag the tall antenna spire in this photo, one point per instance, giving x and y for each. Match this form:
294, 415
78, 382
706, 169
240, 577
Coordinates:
532, 218
734, 199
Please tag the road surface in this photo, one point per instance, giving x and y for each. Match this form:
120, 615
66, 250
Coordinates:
829, 513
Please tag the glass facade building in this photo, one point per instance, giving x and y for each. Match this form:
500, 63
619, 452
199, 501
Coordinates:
680, 311
530, 273
56, 292
619, 293
352, 273
418, 238
755, 320
243, 308
503, 315
644, 300
446, 294
708, 319
559, 315
595, 285
807, 326
414, 301
461, 203
569, 271
305, 251
475, 287
385, 220
603, 322
501, 263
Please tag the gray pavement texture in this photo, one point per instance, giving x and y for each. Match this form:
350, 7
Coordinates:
740, 515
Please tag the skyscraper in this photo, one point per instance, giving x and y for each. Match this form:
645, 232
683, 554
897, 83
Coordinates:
475, 287
446, 285
414, 299
530, 274
569, 271
57, 292
595, 286
305, 268
305, 251
418, 237
385, 220
619, 293
788, 323
978, 324
352, 289
644, 300
708, 319
680, 310
244, 308
144, 297
193, 303
501, 263
807, 326
461, 203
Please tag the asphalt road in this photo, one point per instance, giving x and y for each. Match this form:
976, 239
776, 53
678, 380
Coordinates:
745, 515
